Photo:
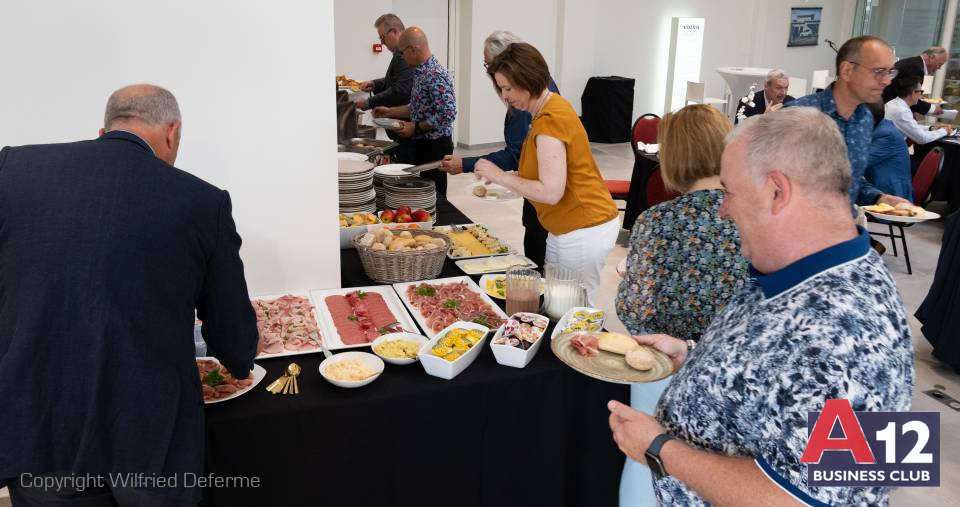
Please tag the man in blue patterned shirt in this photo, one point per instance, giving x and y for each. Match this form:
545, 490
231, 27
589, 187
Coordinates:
864, 69
821, 319
432, 108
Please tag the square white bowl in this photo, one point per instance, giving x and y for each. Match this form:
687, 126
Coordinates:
508, 355
440, 367
367, 358
413, 337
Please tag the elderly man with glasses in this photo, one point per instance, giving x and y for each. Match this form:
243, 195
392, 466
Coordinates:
864, 69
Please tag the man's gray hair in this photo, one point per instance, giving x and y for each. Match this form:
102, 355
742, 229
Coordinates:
800, 142
389, 21
935, 51
498, 41
150, 104
776, 75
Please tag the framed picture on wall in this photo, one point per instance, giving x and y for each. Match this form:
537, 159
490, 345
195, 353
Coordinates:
804, 26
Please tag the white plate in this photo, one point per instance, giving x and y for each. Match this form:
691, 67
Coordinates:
413, 337
349, 155
290, 352
446, 228
494, 192
521, 261
440, 367
258, 374
401, 289
502, 276
370, 360
392, 170
388, 123
329, 329
904, 220
562, 323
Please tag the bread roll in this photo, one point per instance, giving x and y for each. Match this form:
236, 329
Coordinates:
641, 359
480, 190
617, 343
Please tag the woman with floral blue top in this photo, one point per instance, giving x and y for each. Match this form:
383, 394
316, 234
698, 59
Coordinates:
683, 264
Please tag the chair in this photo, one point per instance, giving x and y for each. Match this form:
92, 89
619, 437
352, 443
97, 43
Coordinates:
655, 190
820, 80
797, 86
644, 131
922, 185
696, 94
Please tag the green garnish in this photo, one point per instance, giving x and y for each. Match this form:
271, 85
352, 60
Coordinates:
503, 249
213, 379
353, 318
482, 320
361, 294
426, 291
451, 303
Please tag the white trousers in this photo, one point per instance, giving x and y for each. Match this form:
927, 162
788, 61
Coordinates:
584, 250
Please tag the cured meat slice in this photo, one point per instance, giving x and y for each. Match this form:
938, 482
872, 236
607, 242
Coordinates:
586, 345
359, 316
221, 383
286, 323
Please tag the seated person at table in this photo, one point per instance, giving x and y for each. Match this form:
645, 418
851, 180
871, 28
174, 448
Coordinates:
898, 111
684, 262
772, 97
515, 127
821, 319
889, 166
556, 169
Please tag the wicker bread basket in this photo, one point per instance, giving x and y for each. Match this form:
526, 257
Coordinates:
386, 266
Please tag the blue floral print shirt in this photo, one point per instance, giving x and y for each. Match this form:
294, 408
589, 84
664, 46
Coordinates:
828, 326
682, 268
432, 99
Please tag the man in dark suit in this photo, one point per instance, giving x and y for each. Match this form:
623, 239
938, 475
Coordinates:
919, 66
772, 97
394, 88
106, 249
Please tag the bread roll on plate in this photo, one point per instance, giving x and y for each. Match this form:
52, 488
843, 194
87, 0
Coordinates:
617, 343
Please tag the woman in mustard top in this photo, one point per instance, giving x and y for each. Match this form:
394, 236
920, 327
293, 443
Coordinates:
557, 172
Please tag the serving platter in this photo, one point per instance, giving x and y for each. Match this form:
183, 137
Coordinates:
328, 328
258, 374
401, 289
449, 228
313, 315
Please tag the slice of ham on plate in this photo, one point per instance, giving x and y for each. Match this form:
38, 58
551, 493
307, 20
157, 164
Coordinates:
586, 345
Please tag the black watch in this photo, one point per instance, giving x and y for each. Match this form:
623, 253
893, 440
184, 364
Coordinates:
653, 454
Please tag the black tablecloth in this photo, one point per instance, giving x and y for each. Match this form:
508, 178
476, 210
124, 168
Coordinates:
947, 185
643, 166
494, 435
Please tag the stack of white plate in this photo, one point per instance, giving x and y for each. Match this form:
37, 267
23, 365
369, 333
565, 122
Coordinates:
389, 172
417, 193
356, 187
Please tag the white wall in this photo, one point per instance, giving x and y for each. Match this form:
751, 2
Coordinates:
535, 21
249, 78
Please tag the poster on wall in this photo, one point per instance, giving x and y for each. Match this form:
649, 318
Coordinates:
804, 26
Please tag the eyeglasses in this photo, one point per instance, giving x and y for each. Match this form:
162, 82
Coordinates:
879, 73
384, 35
918, 92
404, 50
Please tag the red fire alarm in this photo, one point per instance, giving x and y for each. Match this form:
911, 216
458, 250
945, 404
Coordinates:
378, 48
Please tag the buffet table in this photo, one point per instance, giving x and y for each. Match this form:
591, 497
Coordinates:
494, 435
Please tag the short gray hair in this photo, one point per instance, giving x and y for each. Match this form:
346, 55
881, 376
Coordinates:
148, 103
497, 41
801, 142
389, 21
935, 51
776, 75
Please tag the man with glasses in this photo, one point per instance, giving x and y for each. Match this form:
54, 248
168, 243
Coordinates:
919, 66
898, 111
393, 89
864, 69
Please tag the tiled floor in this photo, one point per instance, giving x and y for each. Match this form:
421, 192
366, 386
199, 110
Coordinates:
616, 162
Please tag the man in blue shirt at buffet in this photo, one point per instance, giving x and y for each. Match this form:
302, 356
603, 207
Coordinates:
106, 250
516, 124
864, 69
